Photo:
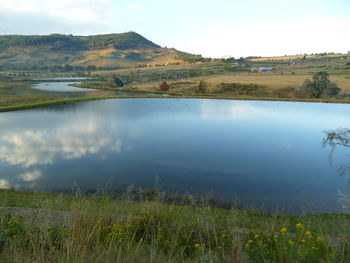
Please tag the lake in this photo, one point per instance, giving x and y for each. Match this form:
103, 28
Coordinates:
58, 88
267, 154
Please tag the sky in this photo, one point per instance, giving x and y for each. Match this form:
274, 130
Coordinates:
211, 28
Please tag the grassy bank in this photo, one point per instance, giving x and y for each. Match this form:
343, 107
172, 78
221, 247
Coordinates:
53, 102
63, 228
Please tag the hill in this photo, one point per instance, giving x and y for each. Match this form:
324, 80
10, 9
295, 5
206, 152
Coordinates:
109, 51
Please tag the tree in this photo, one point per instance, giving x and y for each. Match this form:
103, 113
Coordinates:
117, 81
320, 86
164, 86
131, 77
229, 60
202, 87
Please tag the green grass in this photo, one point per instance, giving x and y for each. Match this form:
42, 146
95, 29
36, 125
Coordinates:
53, 102
63, 228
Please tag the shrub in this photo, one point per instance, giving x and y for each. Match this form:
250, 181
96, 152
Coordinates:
164, 86
118, 82
202, 87
320, 86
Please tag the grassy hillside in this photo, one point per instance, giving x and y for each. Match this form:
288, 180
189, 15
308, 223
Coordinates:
110, 51
130, 40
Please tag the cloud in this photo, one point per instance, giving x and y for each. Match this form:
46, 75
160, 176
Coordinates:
64, 16
52, 7
133, 6
31, 176
267, 39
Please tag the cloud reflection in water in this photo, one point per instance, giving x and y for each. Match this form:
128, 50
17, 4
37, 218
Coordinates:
42, 147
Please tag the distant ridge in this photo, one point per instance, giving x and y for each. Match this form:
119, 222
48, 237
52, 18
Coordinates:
106, 51
129, 40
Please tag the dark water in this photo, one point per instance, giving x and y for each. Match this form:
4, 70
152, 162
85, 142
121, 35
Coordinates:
268, 154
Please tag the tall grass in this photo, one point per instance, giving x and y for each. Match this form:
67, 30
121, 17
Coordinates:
60, 228
12, 99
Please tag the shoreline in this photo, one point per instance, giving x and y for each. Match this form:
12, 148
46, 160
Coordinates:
61, 101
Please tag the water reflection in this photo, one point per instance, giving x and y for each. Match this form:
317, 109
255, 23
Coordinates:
73, 141
340, 139
59, 89
31, 176
236, 110
4, 184
60, 86
335, 138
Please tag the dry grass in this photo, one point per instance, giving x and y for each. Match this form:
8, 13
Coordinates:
294, 57
106, 57
272, 81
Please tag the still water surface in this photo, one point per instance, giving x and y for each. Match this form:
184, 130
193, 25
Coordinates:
60, 87
268, 154
57, 88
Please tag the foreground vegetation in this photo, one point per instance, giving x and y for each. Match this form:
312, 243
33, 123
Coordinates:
47, 227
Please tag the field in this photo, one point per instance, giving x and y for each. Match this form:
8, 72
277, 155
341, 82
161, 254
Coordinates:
284, 81
288, 57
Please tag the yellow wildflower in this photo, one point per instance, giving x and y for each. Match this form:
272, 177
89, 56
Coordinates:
303, 241
319, 239
256, 236
196, 245
299, 225
250, 241
283, 230
308, 233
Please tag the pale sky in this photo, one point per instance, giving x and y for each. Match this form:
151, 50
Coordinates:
207, 27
